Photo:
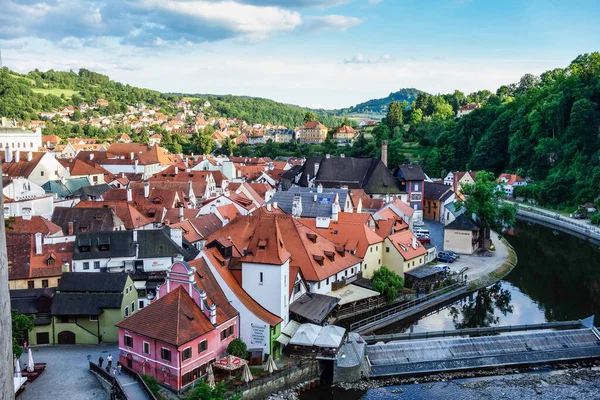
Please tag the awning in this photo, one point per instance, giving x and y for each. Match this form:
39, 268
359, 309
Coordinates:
330, 336
306, 335
352, 293
314, 307
424, 271
288, 332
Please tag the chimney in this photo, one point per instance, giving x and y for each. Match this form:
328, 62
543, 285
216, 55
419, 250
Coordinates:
274, 205
135, 234
202, 300
316, 168
66, 267
7, 155
135, 166
213, 314
122, 174
190, 189
146, 190
17, 156
319, 188
177, 236
297, 207
29, 156
315, 198
91, 156
384, 151
129, 195
38, 243
70, 229
181, 214
414, 242
131, 155
176, 170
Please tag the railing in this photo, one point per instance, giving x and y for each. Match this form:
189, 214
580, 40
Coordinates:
452, 289
117, 391
477, 331
136, 377
379, 302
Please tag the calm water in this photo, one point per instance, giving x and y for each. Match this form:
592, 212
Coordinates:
557, 279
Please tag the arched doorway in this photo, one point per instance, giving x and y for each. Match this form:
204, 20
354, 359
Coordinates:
66, 337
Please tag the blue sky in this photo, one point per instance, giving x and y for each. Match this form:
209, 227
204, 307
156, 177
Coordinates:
318, 53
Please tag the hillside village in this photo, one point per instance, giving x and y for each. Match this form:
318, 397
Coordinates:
106, 235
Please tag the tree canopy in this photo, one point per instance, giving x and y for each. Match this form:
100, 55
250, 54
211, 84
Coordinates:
387, 282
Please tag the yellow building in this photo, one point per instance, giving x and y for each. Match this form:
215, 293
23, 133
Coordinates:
461, 235
312, 132
462, 178
403, 252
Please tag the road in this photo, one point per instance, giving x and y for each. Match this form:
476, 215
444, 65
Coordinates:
67, 375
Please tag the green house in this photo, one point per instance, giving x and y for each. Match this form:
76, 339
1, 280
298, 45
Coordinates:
87, 305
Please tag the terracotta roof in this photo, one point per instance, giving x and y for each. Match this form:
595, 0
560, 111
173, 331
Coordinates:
250, 172
33, 225
23, 263
174, 318
511, 179
199, 179
367, 202
81, 168
385, 227
205, 280
346, 129
228, 211
313, 125
351, 231
260, 188
172, 214
50, 138
403, 242
23, 168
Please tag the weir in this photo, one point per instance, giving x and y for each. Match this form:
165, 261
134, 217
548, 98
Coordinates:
425, 356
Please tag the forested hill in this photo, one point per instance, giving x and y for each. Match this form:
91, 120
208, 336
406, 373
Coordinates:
545, 128
381, 105
25, 96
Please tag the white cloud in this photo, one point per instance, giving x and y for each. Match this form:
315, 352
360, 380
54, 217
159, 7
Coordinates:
361, 59
334, 22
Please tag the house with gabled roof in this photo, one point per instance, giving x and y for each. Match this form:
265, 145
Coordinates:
312, 132
508, 183
187, 326
403, 252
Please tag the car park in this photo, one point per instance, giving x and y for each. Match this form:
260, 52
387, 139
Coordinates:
448, 254
445, 258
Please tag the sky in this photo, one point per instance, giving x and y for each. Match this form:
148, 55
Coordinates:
316, 53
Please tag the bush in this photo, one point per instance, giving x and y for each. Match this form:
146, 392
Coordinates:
152, 384
238, 348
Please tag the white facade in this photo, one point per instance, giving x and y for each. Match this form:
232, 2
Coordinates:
43, 206
268, 285
146, 170
449, 179
20, 139
23, 189
45, 170
120, 264
325, 286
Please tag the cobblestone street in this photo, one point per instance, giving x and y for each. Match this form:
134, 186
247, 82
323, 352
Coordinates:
67, 375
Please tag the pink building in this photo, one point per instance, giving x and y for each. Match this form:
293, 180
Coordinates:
188, 325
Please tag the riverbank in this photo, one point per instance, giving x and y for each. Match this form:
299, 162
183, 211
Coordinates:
489, 276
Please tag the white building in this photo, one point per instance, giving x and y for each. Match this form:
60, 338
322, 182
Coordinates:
38, 167
19, 138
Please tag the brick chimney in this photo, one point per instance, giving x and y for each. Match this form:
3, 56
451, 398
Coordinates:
70, 229
384, 151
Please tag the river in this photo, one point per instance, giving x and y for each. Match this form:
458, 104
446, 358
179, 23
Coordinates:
557, 278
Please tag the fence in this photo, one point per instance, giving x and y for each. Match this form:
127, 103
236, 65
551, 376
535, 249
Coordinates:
379, 302
117, 392
438, 295
136, 377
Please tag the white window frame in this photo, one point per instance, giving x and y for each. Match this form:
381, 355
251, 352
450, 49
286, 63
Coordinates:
93, 318
144, 347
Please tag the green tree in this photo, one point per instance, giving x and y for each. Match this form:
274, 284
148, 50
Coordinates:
237, 348
202, 391
394, 115
203, 143
21, 325
486, 201
387, 282
310, 116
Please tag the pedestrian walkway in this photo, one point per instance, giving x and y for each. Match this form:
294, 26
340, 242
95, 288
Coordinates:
133, 390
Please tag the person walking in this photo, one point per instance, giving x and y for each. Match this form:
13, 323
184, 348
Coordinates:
119, 369
100, 361
26, 346
109, 360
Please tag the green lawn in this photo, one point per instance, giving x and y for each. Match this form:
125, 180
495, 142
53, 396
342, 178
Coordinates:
23, 78
56, 92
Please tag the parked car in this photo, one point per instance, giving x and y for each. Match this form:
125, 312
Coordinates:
578, 216
452, 253
445, 258
449, 254
424, 239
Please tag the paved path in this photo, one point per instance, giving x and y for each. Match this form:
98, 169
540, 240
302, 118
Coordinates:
132, 389
67, 375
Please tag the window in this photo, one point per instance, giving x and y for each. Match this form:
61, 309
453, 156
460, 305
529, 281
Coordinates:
202, 346
186, 354
327, 281
126, 290
95, 178
319, 285
127, 311
377, 248
130, 288
64, 319
128, 341
96, 264
380, 261
30, 285
133, 306
41, 173
93, 318
285, 281
365, 267
50, 262
140, 304
227, 332
146, 348
260, 279
165, 354
230, 331
387, 249
44, 283
86, 265
371, 249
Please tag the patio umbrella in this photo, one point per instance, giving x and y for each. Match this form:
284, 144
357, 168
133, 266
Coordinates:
30, 364
210, 379
17, 368
270, 366
247, 375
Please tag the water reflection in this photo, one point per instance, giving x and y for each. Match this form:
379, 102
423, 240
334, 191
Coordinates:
481, 312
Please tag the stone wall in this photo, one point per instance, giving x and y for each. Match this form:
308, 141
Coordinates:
308, 371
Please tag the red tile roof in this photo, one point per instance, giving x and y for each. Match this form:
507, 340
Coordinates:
205, 280
511, 179
23, 263
131, 217
403, 242
32, 225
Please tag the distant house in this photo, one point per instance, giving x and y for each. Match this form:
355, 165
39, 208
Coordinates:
436, 197
18, 138
462, 235
38, 167
345, 135
466, 109
312, 132
403, 252
460, 178
188, 326
85, 308
367, 122
508, 182
412, 181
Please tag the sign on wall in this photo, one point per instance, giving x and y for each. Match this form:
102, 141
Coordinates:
258, 334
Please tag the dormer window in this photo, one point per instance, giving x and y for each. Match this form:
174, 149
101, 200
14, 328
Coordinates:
262, 244
50, 261
330, 255
312, 237
319, 259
